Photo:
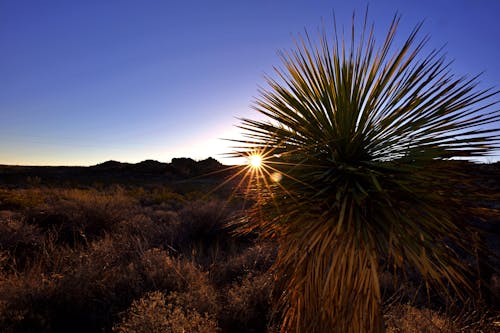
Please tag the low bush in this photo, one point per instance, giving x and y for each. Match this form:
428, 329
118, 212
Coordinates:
248, 304
20, 199
203, 232
406, 318
80, 215
96, 261
154, 314
157, 227
19, 239
254, 260
162, 196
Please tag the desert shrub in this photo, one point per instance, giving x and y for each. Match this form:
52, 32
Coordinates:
179, 277
21, 240
20, 199
138, 225
408, 319
203, 231
33, 181
156, 226
161, 195
152, 314
247, 306
24, 299
4, 260
160, 271
201, 220
82, 287
166, 196
71, 289
255, 260
166, 225
410, 309
78, 215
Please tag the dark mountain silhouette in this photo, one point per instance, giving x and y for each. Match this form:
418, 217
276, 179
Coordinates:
114, 172
110, 165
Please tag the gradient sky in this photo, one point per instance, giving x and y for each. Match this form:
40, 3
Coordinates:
85, 81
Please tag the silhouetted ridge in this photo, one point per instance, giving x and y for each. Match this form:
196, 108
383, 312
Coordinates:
108, 165
114, 172
179, 167
187, 167
149, 166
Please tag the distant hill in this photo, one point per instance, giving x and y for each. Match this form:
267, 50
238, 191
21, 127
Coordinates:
110, 165
109, 172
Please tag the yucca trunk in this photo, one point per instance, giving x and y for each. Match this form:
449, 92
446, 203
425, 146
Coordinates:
332, 290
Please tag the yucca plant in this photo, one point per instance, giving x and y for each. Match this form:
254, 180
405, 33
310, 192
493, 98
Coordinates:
358, 150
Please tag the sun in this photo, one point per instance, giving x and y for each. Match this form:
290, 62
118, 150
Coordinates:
255, 161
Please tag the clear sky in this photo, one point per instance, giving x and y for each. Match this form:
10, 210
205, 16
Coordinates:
85, 81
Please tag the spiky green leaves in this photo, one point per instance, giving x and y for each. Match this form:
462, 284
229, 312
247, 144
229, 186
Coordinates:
362, 136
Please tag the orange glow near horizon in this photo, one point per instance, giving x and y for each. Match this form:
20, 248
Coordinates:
255, 161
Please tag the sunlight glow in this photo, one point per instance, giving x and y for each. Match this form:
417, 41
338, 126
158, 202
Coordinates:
276, 177
255, 161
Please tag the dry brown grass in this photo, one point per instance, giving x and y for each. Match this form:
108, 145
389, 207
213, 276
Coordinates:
408, 319
134, 266
154, 314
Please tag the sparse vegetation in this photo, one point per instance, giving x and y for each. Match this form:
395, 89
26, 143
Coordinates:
154, 313
126, 259
94, 260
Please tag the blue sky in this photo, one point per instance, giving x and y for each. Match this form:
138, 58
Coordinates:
82, 82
